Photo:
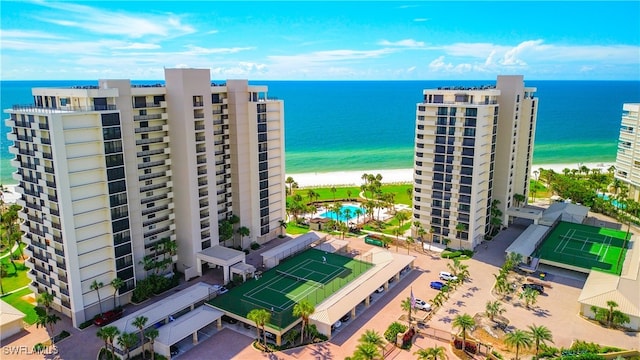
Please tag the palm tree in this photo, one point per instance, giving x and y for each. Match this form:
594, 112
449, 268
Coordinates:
126, 341
117, 284
372, 337
518, 339
289, 181
333, 191
110, 332
140, 322
401, 216
152, 334
494, 308
103, 334
460, 227
530, 296
261, 317
358, 212
409, 240
433, 353
243, 231
540, 334
397, 233
366, 351
611, 305
463, 322
45, 299
303, 309
9, 219
406, 306
95, 285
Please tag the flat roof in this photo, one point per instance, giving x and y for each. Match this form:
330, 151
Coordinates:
222, 253
527, 242
8, 313
187, 324
160, 310
300, 241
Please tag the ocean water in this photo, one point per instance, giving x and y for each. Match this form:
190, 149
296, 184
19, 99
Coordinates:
365, 125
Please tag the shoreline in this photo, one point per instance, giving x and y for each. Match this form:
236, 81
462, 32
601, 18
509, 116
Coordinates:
397, 176
354, 177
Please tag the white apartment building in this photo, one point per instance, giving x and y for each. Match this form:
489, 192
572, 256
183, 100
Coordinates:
109, 173
473, 146
628, 156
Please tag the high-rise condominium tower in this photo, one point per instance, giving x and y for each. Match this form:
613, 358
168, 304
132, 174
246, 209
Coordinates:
121, 180
473, 148
628, 158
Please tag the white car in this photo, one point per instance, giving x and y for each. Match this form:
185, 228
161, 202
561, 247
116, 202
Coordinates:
336, 325
422, 305
447, 276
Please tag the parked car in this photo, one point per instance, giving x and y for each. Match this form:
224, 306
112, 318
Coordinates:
447, 276
174, 350
422, 305
229, 319
345, 318
108, 317
336, 325
436, 285
380, 289
536, 287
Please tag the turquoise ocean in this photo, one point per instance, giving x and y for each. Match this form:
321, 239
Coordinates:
367, 125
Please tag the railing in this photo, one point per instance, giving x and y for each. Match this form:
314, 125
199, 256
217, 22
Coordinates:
68, 108
147, 117
148, 129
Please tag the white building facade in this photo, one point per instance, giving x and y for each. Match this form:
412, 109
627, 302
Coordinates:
628, 155
473, 148
118, 180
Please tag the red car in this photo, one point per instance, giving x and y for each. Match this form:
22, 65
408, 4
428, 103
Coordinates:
108, 317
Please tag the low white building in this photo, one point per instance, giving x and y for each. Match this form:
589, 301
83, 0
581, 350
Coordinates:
11, 320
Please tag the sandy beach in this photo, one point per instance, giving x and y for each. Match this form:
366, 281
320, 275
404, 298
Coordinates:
354, 178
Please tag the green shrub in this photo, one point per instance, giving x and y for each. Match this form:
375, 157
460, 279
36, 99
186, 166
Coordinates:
255, 246
450, 254
393, 330
86, 324
496, 354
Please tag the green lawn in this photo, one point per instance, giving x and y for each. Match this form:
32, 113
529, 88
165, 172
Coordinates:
14, 280
294, 229
352, 192
29, 309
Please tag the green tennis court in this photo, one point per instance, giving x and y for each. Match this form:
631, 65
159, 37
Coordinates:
585, 246
313, 275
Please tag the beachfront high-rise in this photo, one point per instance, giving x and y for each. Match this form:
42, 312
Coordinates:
473, 148
120, 180
628, 157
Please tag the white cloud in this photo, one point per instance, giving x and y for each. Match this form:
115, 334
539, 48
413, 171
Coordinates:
115, 23
138, 46
198, 50
329, 55
421, 19
513, 56
402, 43
22, 34
411, 69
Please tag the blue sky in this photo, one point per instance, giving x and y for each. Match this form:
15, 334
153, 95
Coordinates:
364, 40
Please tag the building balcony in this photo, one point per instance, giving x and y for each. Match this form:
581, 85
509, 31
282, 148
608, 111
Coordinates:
65, 109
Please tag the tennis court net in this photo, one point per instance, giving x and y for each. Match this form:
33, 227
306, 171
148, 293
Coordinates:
301, 279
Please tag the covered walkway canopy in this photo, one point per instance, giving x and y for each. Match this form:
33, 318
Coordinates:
186, 325
528, 241
525, 213
220, 256
387, 265
333, 246
271, 258
159, 312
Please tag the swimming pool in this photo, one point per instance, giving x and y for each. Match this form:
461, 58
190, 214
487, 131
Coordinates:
341, 216
614, 202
